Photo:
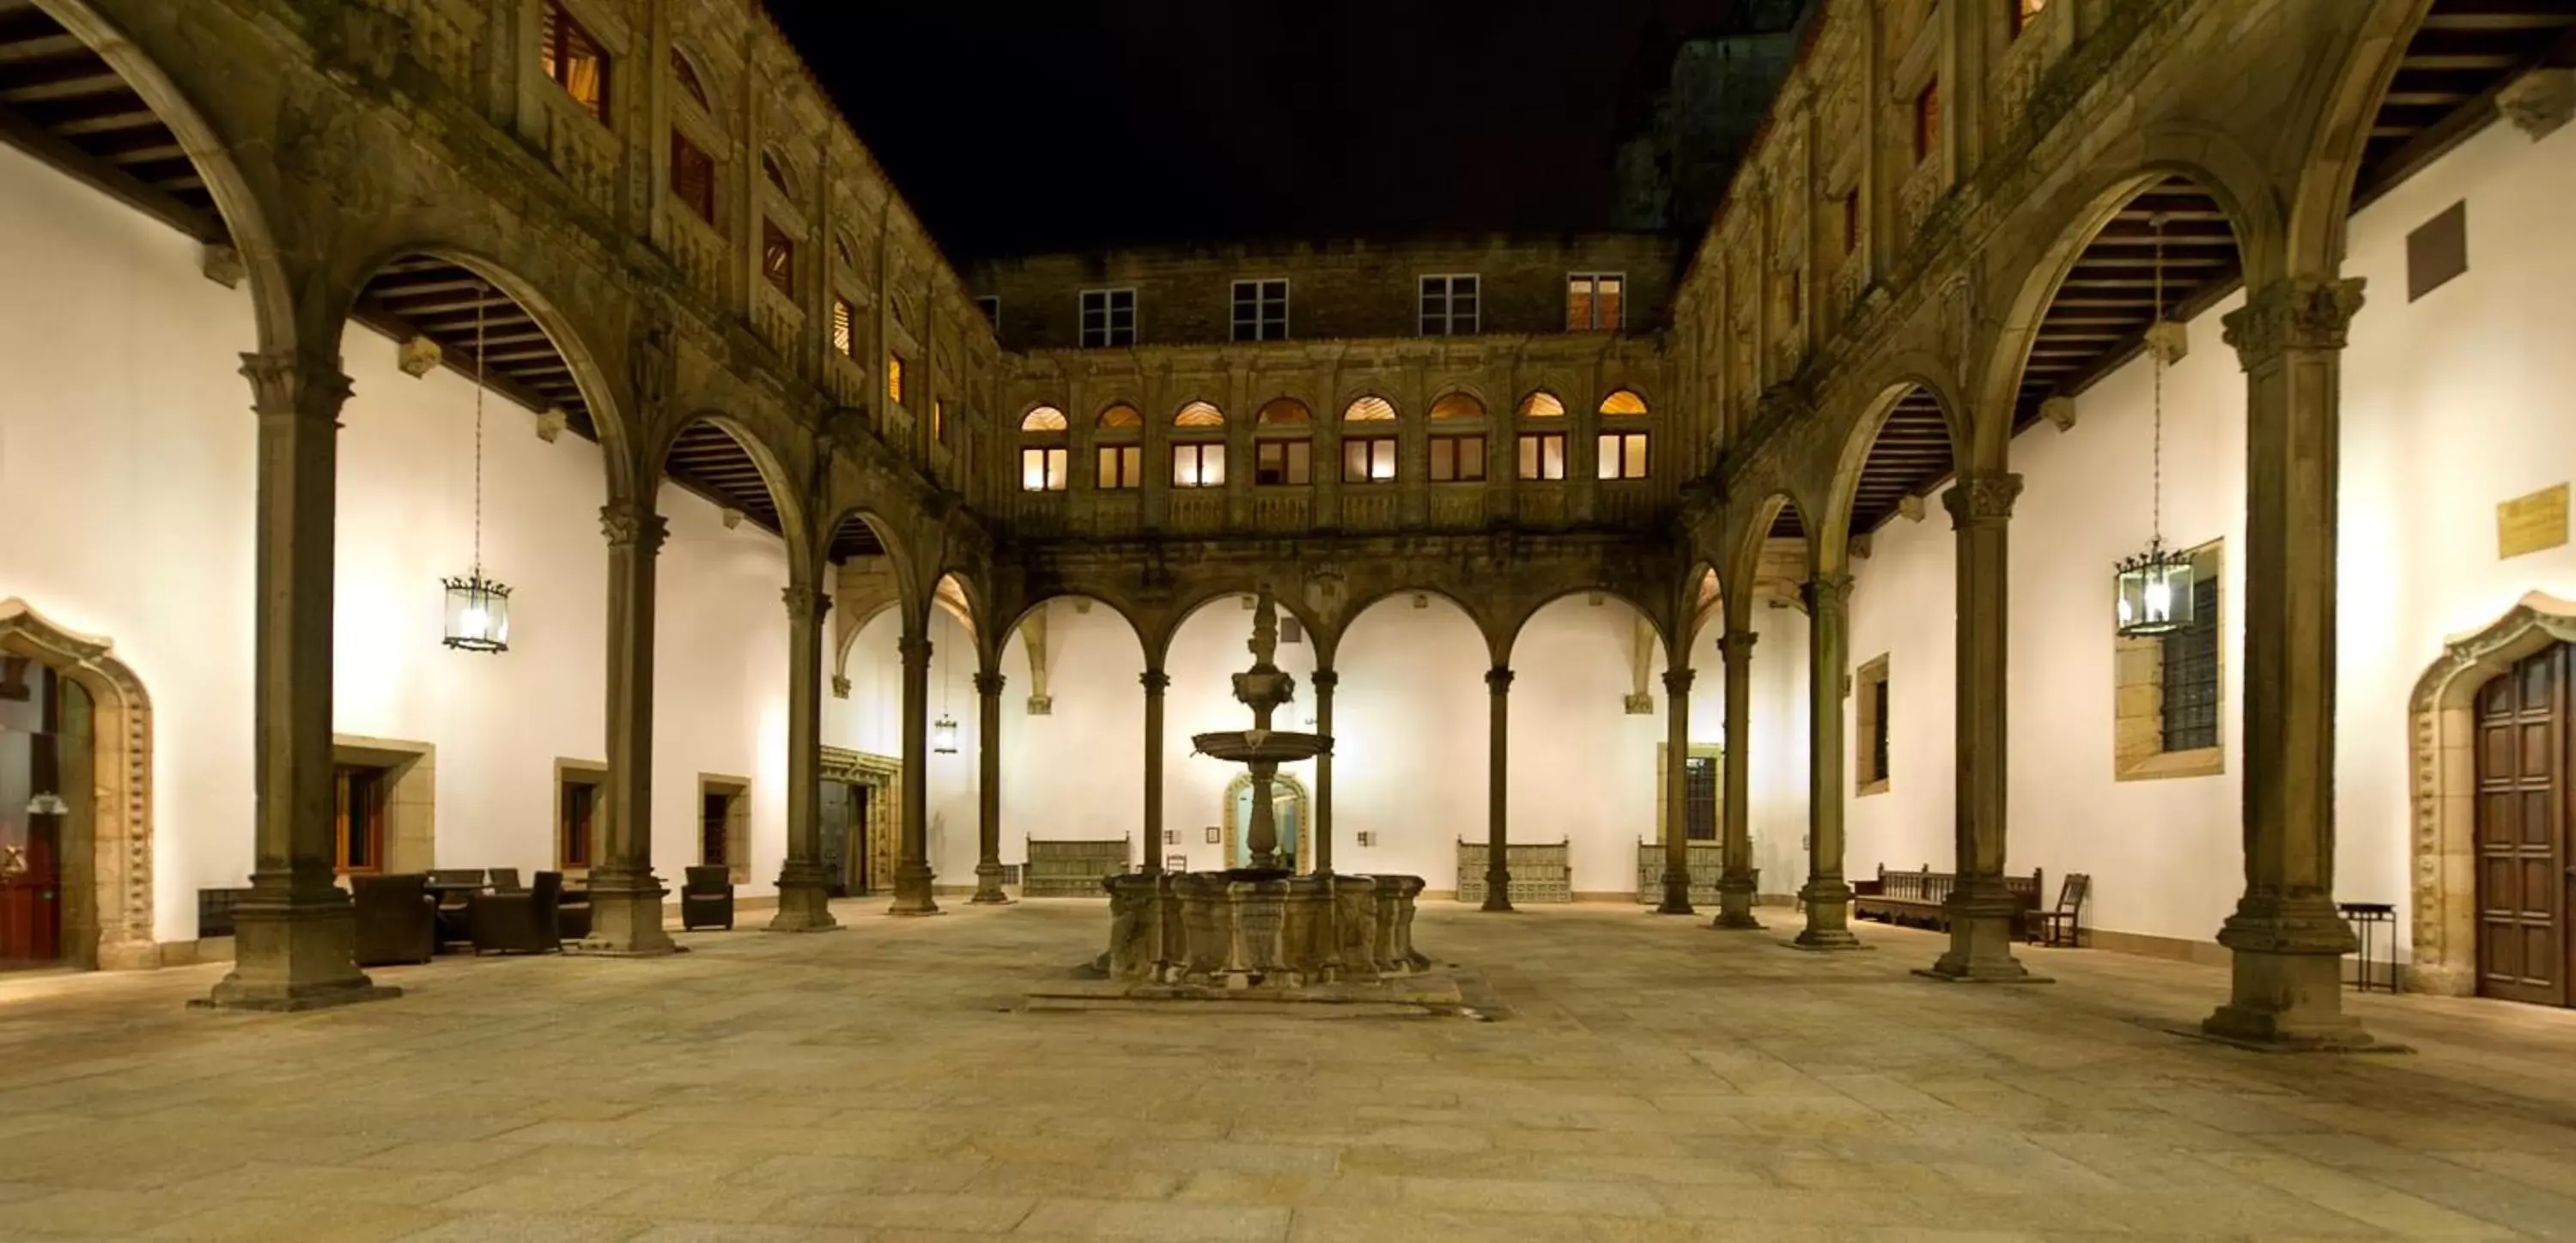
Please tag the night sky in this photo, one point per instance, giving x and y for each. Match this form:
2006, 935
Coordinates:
1065, 124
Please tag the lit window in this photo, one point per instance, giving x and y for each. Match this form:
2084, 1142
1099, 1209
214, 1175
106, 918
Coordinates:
1108, 318
1278, 463
1122, 466
1457, 459
686, 75
845, 328
2023, 11
1284, 410
1456, 406
1542, 455
1449, 306
1199, 414
574, 60
1198, 465
1368, 459
1623, 455
693, 177
938, 422
1120, 417
894, 377
1542, 406
1044, 419
1370, 410
778, 258
1592, 301
1623, 402
1261, 310
1927, 121
1042, 468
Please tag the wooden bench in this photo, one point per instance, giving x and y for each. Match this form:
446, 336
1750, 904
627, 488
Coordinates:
1072, 869
1540, 872
1915, 898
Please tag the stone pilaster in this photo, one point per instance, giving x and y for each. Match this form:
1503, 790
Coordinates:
1498, 868
1677, 684
988, 791
1325, 680
1981, 911
296, 939
625, 896
1827, 897
912, 875
1155, 682
2288, 937
1735, 883
804, 888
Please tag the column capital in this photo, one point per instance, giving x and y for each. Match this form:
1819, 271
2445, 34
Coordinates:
288, 385
989, 685
1155, 681
806, 604
1677, 682
1325, 680
2297, 314
1736, 645
634, 526
1826, 591
915, 650
1983, 499
1498, 680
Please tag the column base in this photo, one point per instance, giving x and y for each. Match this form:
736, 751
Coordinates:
1676, 895
804, 901
1735, 904
1981, 916
294, 949
2287, 983
1825, 941
912, 891
988, 886
1828, 917
1737, 921
625, 918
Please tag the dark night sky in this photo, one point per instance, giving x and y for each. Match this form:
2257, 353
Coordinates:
1065, 124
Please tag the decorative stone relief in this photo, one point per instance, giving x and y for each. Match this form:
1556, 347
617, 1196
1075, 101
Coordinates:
2294, 314
2540, 101
2060, 412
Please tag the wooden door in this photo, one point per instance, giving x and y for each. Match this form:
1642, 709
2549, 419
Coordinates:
2522, 816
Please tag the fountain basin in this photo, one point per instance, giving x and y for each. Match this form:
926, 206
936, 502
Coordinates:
1260, 928
1260, 746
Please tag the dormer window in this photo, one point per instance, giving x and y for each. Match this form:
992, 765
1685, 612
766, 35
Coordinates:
778, 258
776, 174
575, 60
687, 76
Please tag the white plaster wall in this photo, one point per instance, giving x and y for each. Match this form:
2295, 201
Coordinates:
1412, 734
126, 486
2450, 405
1583, 770
1776, 780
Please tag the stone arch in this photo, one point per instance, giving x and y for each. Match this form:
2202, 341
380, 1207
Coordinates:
793, 525
1912, 375
2344, 104
598, 395
2442, 776
1745, 559
1521, 617
1328, 646
245, 218
1126, 613
2209, 159
1180, 615
120, 846
1703, 599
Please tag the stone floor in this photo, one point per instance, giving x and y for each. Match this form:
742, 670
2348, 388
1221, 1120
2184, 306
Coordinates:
1648, 1079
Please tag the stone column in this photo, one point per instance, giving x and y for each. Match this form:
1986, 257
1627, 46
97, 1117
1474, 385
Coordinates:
1981, 911
1325, 681
1735, 885
912, 874
625, 896
1498, 868
804, 888
988, 791
1828, 898
1155, 682
1677, 684
296, 940
2289, 939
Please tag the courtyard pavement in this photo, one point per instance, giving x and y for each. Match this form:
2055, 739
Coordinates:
1645, 1079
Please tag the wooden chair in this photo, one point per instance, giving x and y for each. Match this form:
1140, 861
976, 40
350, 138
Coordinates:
2065, 925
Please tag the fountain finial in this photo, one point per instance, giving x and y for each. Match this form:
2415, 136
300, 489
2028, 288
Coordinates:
1265, 633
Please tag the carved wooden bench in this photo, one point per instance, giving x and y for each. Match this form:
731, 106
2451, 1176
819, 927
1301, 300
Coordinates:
1916, 897
1540, 873
1072, 869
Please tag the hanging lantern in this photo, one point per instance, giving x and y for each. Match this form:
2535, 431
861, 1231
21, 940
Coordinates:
478, 609
478, 614
2154, 587
943, 735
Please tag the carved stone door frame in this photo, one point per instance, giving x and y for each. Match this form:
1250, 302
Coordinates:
1283, 784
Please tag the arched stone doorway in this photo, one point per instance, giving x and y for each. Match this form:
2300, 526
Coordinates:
2443, 771
1292, 810
106, 828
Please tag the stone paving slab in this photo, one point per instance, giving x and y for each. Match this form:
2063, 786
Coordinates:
1644, 1079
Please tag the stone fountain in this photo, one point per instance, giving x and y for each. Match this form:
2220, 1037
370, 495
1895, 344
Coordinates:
1262, 927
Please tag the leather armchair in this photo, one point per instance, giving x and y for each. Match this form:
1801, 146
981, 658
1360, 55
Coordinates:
523, 923
706, 898
397, 919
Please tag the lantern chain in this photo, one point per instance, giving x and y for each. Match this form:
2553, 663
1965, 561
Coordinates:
481, 308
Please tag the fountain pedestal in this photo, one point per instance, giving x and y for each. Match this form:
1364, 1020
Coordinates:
1261, 928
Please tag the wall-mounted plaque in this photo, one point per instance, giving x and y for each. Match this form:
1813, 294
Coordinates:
2532, 523
1214, 835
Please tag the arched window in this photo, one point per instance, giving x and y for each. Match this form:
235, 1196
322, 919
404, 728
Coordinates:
1369, 458
1623, 401
1623, 453
1457, 457
775, 172
686, 75
1198, 447
1042, 450
1542, 453
1121, 459
1282, 449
